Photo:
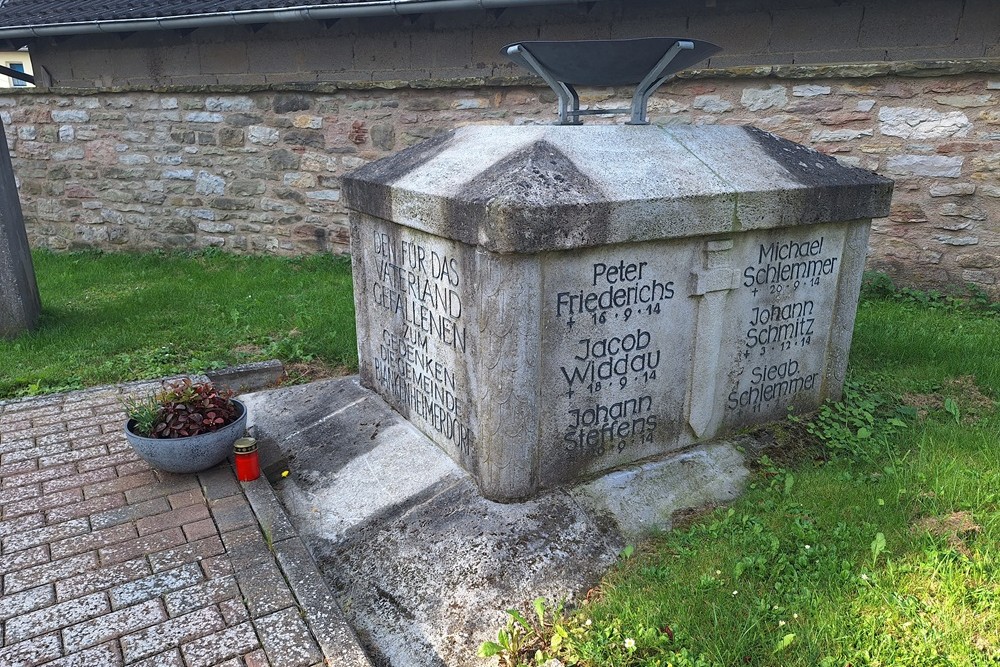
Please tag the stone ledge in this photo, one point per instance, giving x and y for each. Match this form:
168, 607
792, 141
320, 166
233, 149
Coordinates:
903, 68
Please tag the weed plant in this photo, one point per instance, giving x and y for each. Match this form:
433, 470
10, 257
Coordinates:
118, 317
875, 543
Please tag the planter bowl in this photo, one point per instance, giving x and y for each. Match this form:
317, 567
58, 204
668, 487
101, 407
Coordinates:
191, 454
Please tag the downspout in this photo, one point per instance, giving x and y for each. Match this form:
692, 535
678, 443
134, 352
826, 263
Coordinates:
243, 17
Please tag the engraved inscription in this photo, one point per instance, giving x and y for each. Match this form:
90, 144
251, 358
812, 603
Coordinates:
414, 362
420, 285
619, 290
607, 368
786, 279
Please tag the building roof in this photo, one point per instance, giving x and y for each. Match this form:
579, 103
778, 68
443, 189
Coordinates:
35, 18
16, 13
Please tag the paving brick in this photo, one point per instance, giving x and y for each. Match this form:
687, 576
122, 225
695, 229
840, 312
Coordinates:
232, 513
219, 482
172, 519
99, 451
36, 451
106, 655
186, 553
120, 484
263, 588
16, 467
78, 430
141, 545
101, 579
122, 512
256, 659
9, 445
38, 431
79, 479
34, 651
26, 522
113, 625
24, 579
39, 475
185, 498
93, 507
30, 408
133, 467
108, 459
232, 662
269, 512
247, 545
204, 594
55, 617
106, 408
171, 634
224, 644
20, 560
199, 530
118, 443
155, 585
218, 566
92, 541
25, 601
20, 493
168, 485
21, 424
45, 535
170, 658
234, 611
64, 416
42, 503
286, 639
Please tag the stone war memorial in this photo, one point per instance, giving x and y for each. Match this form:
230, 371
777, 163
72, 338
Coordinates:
550, 302
19, 302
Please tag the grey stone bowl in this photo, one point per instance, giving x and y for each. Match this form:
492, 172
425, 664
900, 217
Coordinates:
193, 454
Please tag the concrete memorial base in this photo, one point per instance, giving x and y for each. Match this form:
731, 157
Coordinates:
546, 303
19, 302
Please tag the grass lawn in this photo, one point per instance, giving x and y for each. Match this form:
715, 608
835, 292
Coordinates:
872, 537
116, 317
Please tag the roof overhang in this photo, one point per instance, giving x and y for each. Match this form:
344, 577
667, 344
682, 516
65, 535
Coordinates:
319, 12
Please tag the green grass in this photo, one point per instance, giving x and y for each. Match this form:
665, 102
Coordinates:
117, 317
882, 550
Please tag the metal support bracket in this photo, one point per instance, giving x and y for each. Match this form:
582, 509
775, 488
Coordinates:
645, 63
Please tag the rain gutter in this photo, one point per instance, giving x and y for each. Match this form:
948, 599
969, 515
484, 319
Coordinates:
244, 17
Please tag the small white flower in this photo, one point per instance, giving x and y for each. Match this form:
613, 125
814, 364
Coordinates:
808, 547
629, 643
864, 577
735, 592
795, 615
781, 623
718, 572
589, 623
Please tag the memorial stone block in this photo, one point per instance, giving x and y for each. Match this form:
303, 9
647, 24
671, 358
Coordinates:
547, 303
19, 302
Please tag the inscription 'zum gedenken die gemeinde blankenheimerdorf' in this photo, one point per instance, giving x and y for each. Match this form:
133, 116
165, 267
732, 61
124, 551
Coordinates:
419, 288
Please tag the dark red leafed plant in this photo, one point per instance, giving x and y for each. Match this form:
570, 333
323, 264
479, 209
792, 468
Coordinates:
185, 408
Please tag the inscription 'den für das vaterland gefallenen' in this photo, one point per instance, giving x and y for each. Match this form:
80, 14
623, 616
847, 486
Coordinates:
547, 303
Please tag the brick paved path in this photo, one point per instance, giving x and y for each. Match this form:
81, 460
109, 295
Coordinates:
105, 561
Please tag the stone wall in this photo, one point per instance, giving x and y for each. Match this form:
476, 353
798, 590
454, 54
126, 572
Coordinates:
257, 169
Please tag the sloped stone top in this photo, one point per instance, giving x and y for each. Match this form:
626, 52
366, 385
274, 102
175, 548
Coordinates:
538, 188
